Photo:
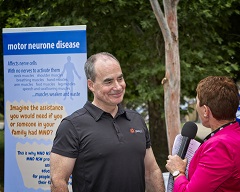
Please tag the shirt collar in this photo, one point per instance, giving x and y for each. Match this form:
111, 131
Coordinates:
97, 112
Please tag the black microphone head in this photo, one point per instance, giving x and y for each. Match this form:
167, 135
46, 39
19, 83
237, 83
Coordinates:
189, 130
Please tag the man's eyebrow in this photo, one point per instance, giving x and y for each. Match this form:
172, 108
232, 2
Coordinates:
110, 79
107, 79
120, 76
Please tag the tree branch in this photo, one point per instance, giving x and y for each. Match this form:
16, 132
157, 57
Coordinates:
161, 21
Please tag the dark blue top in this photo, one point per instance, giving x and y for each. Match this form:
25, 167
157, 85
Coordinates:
110, 151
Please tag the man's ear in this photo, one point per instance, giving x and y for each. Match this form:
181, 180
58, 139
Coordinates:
90, 85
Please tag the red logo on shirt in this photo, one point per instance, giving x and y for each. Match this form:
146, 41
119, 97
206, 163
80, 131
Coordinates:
132, 130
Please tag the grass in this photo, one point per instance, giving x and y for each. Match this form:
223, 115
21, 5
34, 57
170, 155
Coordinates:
1, 160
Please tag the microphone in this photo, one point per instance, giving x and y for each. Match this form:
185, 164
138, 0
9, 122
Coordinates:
188, 132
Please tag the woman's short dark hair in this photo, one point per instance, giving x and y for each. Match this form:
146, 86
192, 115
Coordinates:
220, 94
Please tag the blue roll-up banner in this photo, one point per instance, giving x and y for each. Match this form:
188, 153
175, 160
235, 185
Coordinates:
44, 81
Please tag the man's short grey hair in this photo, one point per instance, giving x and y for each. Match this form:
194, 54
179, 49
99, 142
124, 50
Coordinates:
89, 65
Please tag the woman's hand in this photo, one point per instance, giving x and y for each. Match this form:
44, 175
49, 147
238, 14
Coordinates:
175, 163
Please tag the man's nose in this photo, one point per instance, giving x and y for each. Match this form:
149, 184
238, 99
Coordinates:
117, 85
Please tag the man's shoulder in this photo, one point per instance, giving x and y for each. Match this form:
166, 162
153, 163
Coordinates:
132, 113
77, 114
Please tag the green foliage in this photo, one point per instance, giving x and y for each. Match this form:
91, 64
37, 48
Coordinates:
209, 41
1, 141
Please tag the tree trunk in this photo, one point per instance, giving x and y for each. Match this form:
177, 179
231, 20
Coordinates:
171, 82
172, 75
158, 134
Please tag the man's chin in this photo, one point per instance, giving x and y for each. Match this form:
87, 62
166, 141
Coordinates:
117, 101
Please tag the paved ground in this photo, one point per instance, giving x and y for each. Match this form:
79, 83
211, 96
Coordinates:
165, 177
202, 131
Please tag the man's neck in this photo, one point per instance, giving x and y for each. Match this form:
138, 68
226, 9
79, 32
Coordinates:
109, 109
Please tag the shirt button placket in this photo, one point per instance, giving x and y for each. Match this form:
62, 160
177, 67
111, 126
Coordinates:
119, 134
